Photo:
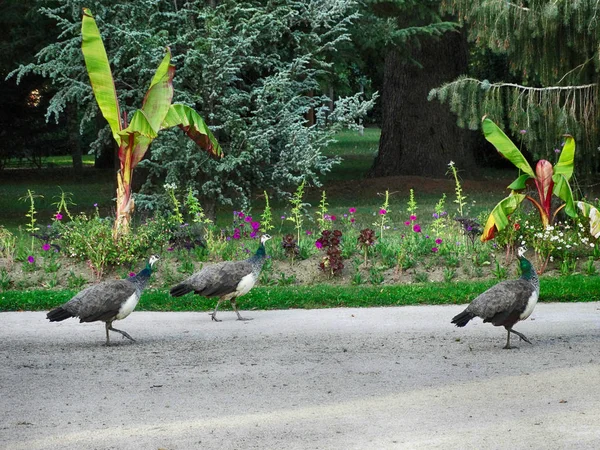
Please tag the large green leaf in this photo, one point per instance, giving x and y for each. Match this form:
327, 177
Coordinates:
498, 219
562, 190
193, 125
505, 146
519, 183
99, 72
157, 100
566, 161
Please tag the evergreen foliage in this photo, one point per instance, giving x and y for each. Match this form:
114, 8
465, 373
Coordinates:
251, 69
552, 47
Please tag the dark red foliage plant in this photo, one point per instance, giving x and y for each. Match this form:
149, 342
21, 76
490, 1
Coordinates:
332, 263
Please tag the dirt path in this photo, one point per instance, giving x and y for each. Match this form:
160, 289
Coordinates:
341, 378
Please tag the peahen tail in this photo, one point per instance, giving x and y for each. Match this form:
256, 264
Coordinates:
460, 320
180, 289
58, 314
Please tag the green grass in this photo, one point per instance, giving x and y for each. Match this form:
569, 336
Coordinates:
50, 161
569, 289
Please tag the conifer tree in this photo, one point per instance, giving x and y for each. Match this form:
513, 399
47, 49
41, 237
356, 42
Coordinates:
552, 49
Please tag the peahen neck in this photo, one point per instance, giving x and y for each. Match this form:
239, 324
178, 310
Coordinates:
142, 277
528, 272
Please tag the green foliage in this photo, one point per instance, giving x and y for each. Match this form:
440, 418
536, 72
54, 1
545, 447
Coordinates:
176, 215
266, 219
384, 210
412, 207
31, 227
460, 199
321, 212
75, 281
297, 213
500, 272
5, 279
195, 209
589, 267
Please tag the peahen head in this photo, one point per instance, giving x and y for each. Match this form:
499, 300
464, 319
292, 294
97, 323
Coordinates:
261, 248
151, 262
527, 270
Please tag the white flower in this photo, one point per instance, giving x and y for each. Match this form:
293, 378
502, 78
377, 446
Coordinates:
592, 244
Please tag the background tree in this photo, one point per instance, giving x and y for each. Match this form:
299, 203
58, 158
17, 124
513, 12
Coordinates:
419, 51
247, 67
552, 50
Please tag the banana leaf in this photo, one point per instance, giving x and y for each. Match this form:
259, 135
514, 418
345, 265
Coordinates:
498, 219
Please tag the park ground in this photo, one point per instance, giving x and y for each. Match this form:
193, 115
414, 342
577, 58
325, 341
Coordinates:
369, 378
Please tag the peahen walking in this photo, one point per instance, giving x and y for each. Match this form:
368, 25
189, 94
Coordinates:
226, 280
507, 302
107, 301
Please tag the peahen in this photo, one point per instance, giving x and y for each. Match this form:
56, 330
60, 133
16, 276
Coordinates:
226, 280
107, 301
507, 302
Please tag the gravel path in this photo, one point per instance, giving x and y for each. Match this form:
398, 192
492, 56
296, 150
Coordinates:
373, 378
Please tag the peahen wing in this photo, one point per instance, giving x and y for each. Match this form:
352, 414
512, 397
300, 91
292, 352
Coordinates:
101, 301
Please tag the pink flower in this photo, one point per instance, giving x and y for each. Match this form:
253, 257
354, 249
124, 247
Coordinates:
318, 244
352, 219
333, 218
308, 232
30, 259
407, 223
58, 216
438, 241
417, 228
382, 211
248, 219
255, 226
132, 274
523, 131
434, 249
253, 234
352, 210
241, 215
46, 247
413, 218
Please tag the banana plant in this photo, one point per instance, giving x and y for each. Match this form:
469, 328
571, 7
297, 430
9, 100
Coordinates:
157, 113
548, 180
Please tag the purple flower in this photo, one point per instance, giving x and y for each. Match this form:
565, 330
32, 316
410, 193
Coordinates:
95, 205
236, 233
255, 226
308, 232
417, 228
30, 259
443, 213
58, 216
248, 219
382, 212
253, 234
407, 223
46, 247
282, 217
557, 150
434, 249
170, 249
426, 236
413, 218
345, 215
332, 218
436, 215
523, 131
241, 215
352, 219
352, 210
132, 274
438, 241
318, 244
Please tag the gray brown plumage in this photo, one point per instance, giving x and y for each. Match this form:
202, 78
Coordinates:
506, 303
107, 301
226, 280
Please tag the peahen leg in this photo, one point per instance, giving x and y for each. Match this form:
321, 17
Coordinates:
213, 314
120, 331
507, 346
107, 335
235, 308
521, 335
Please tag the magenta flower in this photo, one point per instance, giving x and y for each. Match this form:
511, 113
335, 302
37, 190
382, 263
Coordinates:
46, 247
352, 219
30, 259
318, 244
58, 216
407, 223
170, 249
132, 274
241, 215
413, 218
438, 241
308, 232
255, 226
248, 219
253, 234
352, 210
382, 211
434, 249
417, 228
282, 217
332, 218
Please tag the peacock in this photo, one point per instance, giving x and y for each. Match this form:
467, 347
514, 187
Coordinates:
507, 302
226, 280
107, 301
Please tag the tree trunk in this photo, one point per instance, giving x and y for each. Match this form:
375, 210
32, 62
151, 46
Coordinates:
74, 140
419, 137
